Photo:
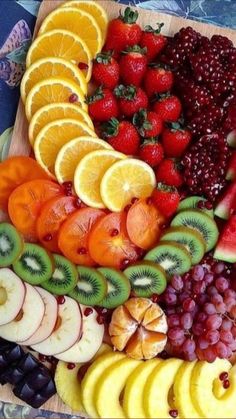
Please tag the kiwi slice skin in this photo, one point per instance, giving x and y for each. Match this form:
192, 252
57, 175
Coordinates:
35, 264
118, 288
64, 277
173, 257
11, 245
191, 239
201, 222
91, 287
191, 203
146, 278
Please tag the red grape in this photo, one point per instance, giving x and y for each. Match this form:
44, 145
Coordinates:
209, 308
213, 322
175, 333
186, 321
221, 350
212, 336
189, 304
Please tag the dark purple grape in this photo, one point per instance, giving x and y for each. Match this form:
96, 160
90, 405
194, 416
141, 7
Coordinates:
28, 363
37, 401
49, 390
13, 375
3, 362
14, 354
38, 378
24, 392
5, 345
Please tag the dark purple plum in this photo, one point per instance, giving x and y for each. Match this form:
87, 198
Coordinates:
13, 375
14, 354
24, 392
28, 363
49, 390
38, 378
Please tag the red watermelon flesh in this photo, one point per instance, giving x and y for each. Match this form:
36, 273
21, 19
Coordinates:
227, 204
226, 246
231, 172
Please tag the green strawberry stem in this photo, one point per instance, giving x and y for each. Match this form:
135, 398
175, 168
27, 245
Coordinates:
157, 31
110, 128
98, 95
104, 57
130, 16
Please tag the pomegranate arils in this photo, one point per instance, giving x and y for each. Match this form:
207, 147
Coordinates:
73, 98
70, 366
226, 384
83, 66
61, 299
114, 232
173, 413
82, 251
100, 319
88, 311
48, 237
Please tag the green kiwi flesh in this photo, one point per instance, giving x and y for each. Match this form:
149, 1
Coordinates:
191, 239
146, 279
34, 265
64, 277
199, 221
192, 203
11, 244
91, 287
118, 288
173, 257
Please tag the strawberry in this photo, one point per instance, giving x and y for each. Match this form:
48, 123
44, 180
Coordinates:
158, 80
122, 136
166, 199
133, 65
168, 107
168, 172
106, 70
148, 123
130, 99
151, 152
175, 140
123, 31
153, 41
102, 105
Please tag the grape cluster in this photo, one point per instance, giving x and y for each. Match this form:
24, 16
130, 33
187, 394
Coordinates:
201, 313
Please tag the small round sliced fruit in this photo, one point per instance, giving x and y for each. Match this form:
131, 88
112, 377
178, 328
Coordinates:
11, 244
64, 277
192, 202
35, 265
91, 286
172, 257
118, 288
73, 239
109, 244
146, 279
125, 180
12, 295
188, 237
28, 319
89, 174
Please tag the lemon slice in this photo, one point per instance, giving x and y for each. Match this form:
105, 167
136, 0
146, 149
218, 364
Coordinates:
53, 136
61, 44
89, 173
125, 180
78, 21
71, 154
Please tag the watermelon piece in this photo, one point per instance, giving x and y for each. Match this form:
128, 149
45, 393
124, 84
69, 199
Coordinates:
231, 172
227, 204
226, 246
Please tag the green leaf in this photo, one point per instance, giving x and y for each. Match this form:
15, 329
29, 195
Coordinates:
18, 56
5, 141
32, 6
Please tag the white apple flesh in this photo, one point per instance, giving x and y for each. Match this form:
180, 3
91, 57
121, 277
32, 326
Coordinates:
12, 295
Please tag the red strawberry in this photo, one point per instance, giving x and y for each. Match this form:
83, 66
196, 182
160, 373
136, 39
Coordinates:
166, 199
131, 99
175, 140
106, 70
158, 80
122, 136
102, 105
153, 41
168, 107
151, 152
133, 65
168, 172
123, 31
148, 123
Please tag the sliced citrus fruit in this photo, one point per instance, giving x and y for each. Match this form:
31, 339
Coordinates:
51, 67
78, 21
49, 113
71, 154
125, 180
62, 44
53, 136
89, 173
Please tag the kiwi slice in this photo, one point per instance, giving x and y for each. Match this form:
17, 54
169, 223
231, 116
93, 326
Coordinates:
91, 287
173, 257
191, 239
118, 288
64, 277
11, 244
192, 203
35, 264
146, 278
199, 221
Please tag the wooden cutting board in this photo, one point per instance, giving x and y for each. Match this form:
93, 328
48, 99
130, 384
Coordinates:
20, 144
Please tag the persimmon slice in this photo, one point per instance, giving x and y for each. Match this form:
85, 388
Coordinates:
74, 234
26, 201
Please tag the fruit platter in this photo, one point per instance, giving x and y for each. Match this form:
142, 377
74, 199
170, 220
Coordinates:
118, 218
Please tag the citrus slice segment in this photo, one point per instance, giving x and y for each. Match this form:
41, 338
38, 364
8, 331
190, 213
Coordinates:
53, 136
125, 180
71, 154
89, 174
50, 113
78, 21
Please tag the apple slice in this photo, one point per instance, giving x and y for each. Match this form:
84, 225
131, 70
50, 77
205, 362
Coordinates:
66, 331
12, 295
90, 342
28, 319
49, 319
